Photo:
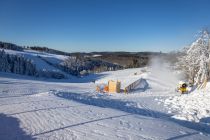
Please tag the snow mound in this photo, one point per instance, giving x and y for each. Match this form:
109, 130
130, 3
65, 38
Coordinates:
191, 107
126, 77
41, 94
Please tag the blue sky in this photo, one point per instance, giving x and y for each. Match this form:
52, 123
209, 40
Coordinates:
103, 25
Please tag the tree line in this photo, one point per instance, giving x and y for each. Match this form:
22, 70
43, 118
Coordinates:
16, 64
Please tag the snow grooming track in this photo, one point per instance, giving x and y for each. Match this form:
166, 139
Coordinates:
129, 107
52, 133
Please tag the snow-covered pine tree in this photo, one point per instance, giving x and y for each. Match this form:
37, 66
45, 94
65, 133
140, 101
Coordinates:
195, 60
4, 64
16, 64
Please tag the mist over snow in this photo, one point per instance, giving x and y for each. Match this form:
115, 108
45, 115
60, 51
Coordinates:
162, 70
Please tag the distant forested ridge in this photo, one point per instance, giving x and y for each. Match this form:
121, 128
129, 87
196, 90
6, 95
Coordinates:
10, 46
76, 64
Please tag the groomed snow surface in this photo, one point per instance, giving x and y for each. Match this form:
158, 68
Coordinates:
62, 110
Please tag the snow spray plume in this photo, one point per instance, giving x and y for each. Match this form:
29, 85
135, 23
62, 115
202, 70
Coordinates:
161, 70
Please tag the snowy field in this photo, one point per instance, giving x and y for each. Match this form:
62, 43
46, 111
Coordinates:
71, 109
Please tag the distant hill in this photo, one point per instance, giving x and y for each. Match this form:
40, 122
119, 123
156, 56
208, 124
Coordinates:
125, 59
49, 63
58, 64
48, 50
10, 46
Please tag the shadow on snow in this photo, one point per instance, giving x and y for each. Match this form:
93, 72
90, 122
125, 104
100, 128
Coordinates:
10, 129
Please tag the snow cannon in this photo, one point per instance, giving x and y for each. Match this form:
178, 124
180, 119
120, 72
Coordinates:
182, 87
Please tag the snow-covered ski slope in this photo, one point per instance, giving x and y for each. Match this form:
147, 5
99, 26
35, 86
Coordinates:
37, 58
66, 109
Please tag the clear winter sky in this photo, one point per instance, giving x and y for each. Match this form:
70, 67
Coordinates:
103, 25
